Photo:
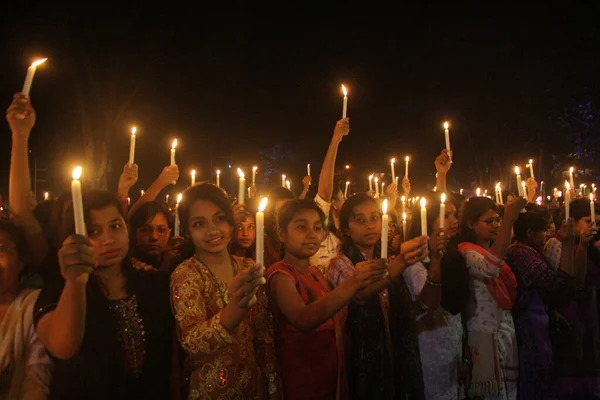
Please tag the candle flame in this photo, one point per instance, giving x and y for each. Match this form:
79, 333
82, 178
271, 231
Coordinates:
218, 172
38, 62
193, 172
446, 125
45, 195
370, 176
263, 204
179, 196
403, 198
523, 183
530, 162
571, 170
376, 179
404, 216
241, 173
423, 202
77, 173
282, 176
478, 191
393, 160
384, 206
407, 158
591, 197
498, 187
254, 168
517, 170
567, 185
443, 198
344, 90
174, 144
133, 130
347, 183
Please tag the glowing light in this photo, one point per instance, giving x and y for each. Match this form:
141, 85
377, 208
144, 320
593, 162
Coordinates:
77, 173
263, 204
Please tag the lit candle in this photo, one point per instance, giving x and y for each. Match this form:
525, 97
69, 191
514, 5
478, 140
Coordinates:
403, 198
129, 201
177, 222
167, 199
254, 169
345, 105
46, 196
132, 146
542, 188
423, 216
173, 147
530, 165
478, 192
384, 230
346, 190
193, 173
376, 187
371, 182
404, 226
498, 194
393, 170
447, 134
592, 209
142, 193
461, 191
571, 170
519, 187
406, 168
382, 186
283, 180
524, 186
443, 212
218, 178
242, 187
567, 201
288, 185
260, 232
78, 203
30, 73
308, 169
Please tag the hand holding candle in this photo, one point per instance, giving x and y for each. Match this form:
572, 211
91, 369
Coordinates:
30, 74
78, 203
260, 232
384, 230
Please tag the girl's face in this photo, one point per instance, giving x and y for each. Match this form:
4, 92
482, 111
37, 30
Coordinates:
551, 229
487, 226
450, 222
208, 227
10, 263
537, 239
246, 233
152, 238
303, 235
108, 232
583, 224
364, 227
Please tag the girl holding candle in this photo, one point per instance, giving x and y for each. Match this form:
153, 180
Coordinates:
485, 238
107, 325
308, 313
369, 351
220, 306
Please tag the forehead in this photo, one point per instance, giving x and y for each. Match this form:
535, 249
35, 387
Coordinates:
366, 208
489, 214
310, 215
203, 208
104, 215
158, 219
450, 207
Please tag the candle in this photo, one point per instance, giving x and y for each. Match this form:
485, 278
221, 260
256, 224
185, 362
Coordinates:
254, 169
498, 194
478, 192
260, 232
592, 209
345, 105
423, 216
288, 185
142, 193
571, 170
132, 146
167, 199
346, 190
193, 173
77, 203
406, 168
384, 230
218, 178
129, 201
30, 73
542, 189
376, 187
530, 165
443, 212
382, 186
524, 189
393, 170
403, 198
177, 222
46, 196
461, 191
283, 180
308, 169
447, 134
519, 187
404, 226
567, 201
242, 187
173, 147
371, 182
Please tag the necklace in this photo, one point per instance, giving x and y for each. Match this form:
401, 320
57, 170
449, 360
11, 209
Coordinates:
218, 284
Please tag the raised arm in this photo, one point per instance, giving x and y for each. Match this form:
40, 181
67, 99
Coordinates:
511, 213
168, 175
342, 128
306, 185
128, 178
442, 166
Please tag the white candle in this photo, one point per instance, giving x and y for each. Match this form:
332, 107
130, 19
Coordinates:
393, 170
530, 165
142, 193
346, 190
242, 187
177, 222
542, 188
404, 227
461, 191
447, 134
345, 105
260, 232
567, 201
218, 178
283, 180
403, 198
129, 201
592, 209
193, 176
406, 168
423, 216
173, 147
254, 169
371, 182
443, 211
498, 194
478, 192
376, 187
384, 230
288, 185
519, 187
132, 146
29, 77
571, 170
167, 199
524, 189
308, 169
78, 203
382, 186
46, 196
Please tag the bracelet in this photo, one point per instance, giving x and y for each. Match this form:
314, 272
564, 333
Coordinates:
433, 283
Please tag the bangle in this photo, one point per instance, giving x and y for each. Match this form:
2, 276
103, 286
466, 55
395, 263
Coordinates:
433, 283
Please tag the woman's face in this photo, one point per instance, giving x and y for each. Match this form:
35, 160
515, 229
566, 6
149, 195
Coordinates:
303, 235
10, 263
108, 232
152, 238
582, 224
364, 227
551, 229
537, 239
208, 227
246, 233
450, 221
487, 226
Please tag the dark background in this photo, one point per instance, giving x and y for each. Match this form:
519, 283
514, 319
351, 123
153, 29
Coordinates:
245, 85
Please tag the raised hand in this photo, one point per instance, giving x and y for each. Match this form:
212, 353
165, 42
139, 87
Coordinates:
437, 243
128, 177
406, 186
414, 250
21, 115
442, 162
513, 209
306, 181
169, 175
76, 259
342, 128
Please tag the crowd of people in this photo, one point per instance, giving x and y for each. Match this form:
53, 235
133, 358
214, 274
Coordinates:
500, 303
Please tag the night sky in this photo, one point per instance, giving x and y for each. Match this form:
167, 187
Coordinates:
231, 82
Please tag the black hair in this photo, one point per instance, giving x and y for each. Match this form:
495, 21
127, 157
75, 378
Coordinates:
537, 218
207, 192
276, 194
18, 237
580, 208
474, 208
348, 247
146, 213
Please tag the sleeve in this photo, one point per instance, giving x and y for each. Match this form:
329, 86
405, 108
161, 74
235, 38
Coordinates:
339, 270
38, 370
264, 344
415, 276
483, 266
323, 205
198, 333
552, 251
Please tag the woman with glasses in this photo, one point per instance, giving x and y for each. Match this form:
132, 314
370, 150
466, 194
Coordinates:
485, 238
